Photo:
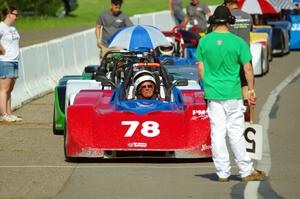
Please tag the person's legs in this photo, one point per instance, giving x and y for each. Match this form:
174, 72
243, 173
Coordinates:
67, 6
12, 83
235, 129
5, 85
220, 153
8, 75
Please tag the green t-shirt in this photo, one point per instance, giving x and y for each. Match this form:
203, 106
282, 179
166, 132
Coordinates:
222, 55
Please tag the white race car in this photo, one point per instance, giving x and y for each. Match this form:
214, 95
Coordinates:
260, 48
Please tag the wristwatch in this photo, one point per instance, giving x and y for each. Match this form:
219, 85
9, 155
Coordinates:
251, 91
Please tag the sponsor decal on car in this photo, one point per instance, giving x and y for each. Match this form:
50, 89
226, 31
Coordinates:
199, 114
205, 147
137, 145
295, 27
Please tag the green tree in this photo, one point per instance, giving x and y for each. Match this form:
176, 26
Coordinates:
35, 7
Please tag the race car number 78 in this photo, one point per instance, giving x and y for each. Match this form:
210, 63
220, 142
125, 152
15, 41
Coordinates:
150, 128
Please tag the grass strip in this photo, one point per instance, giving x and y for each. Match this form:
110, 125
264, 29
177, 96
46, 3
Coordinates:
88, 12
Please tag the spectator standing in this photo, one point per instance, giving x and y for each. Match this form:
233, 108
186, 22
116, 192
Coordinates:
176, 10
220, 55
109, 22
67, 7
243, 21
242, 27
9, 62
196, 14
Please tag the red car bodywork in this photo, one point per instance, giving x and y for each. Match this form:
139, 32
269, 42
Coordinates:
94, 127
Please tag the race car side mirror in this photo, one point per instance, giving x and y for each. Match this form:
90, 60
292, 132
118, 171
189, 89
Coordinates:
171, 77
178, 82
181, 82
104, 81
91, 69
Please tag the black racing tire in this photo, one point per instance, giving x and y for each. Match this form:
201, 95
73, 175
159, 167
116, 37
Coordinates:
266, 63
55, 131
282, 53
262, 64
282, 46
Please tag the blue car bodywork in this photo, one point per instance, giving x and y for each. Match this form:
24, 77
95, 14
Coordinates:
281, 37
295, 31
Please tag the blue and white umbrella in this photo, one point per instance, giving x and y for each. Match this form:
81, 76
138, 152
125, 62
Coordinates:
137, 37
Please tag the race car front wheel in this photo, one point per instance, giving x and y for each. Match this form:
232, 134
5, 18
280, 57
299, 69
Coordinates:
55, 131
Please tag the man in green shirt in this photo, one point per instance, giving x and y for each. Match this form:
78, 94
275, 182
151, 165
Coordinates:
220, 55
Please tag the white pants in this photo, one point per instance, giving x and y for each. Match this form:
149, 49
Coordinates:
227, 117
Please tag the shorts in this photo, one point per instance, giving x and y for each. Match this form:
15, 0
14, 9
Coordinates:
9, 69
243, 77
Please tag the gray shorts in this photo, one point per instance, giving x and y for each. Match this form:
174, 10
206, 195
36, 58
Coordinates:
9, 69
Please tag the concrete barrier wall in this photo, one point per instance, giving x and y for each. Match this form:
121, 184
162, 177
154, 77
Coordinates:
162, 20
42, 65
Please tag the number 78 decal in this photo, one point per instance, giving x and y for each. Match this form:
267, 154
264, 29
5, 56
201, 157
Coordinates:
150, 128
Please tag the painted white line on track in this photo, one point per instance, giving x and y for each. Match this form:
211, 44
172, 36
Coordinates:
264, 119
106, 166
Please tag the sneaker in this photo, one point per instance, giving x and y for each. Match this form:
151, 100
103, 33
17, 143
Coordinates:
7, 118
16, 118
256, 175
223, 180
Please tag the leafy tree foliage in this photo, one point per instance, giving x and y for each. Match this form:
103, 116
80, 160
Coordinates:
37, 7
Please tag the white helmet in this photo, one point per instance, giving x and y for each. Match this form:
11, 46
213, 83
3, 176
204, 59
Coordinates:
167, 50
141, 77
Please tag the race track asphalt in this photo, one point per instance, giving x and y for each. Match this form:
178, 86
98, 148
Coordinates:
32, 159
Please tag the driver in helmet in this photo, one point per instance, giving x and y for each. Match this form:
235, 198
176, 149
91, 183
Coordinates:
167, 50
144, 85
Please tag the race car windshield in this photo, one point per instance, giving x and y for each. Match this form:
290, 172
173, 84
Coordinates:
183, 72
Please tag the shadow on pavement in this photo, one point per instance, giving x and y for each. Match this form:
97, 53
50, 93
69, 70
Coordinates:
214, 177
153, 160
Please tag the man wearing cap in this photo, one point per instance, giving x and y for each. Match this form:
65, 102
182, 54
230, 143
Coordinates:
110, 21
242, 27
196, 14
220, 55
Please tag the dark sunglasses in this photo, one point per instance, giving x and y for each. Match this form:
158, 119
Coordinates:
147, 86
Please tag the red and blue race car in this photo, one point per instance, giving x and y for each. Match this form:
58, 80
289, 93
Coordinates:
109, 123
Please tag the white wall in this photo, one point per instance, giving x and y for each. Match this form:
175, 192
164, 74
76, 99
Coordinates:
42, 65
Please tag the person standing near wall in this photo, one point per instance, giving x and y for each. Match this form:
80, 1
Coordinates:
110, 21
220, 54
196, 14
176, 10
9, 62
